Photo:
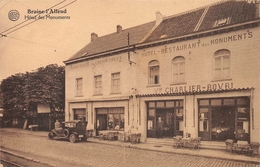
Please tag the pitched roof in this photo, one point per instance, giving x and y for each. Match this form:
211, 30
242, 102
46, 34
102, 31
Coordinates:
205, 18
209, 17
115, 40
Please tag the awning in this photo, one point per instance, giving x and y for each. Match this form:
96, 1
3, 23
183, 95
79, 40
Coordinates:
194, 92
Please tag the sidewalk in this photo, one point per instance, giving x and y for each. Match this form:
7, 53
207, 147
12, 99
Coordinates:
161, 147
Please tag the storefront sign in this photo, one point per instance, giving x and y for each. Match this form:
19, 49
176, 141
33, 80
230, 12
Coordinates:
195, 88
96, 62
193, 45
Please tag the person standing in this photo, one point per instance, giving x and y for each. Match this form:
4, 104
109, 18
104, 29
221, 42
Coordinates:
160, 125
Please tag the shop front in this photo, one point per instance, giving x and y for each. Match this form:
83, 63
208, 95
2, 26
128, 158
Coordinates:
171, 114
111, 118
224, 118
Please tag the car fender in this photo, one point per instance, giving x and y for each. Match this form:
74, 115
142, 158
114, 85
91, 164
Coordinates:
55, 132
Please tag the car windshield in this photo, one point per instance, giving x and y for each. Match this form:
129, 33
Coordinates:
70, 125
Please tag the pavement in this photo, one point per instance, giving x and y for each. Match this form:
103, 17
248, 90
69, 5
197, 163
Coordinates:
161, 145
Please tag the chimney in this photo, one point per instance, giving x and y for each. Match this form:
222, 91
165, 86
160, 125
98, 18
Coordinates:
159, 17
94, 36
118, 28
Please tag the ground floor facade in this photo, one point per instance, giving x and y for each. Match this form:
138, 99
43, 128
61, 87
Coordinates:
213, 116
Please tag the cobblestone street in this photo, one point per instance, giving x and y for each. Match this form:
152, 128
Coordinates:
64, 153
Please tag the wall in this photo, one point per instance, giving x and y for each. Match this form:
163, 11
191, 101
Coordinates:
199, 67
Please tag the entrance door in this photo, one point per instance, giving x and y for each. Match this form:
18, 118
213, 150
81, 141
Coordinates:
101, 122
222, 123
167, 116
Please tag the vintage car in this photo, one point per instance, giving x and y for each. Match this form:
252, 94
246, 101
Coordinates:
74, 130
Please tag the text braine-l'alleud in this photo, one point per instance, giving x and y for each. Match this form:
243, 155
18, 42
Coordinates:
47, 11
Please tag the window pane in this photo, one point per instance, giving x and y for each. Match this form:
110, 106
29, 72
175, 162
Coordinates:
115, 83
204, 102
229, 101
151, 104
122, 121
160, 104
242, 101
217, 63
151, 113
216, 102
170, 104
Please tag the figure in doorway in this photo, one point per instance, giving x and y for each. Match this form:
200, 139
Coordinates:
160, 125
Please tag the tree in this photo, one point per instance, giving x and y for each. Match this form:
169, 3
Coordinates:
46, 86
22, 92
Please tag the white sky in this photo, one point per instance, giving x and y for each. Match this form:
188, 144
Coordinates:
54, 41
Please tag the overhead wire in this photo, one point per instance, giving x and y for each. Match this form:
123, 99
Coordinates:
5, 35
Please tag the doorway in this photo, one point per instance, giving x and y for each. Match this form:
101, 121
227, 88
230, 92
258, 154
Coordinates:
171, 113
101, 122
167, 116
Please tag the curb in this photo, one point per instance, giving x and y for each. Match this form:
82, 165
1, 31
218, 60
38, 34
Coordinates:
170, 152
27, 158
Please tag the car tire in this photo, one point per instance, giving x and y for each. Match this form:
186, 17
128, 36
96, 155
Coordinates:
66, 133
73, 138
51, 135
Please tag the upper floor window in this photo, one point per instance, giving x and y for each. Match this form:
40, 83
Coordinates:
115, 82
153, 72
178, 69
79, 82
222, 64
98, 85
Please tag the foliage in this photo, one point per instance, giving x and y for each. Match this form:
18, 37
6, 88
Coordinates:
46, 85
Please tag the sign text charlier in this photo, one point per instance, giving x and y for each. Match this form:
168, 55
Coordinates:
195, 88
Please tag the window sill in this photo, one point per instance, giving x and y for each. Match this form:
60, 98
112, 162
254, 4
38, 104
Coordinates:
178, 83
221, 79
154, 85
113, 93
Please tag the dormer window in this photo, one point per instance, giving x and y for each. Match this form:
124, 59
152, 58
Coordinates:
222, 22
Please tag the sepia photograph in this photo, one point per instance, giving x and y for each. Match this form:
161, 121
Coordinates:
129, 83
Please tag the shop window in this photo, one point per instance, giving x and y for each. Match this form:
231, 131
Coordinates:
153, 72
98, 85
111, 118
222, 64
79, 82
80, 114
115, 83
178, 70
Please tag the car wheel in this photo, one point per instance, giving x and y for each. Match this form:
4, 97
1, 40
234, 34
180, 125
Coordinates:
51, 135
73, 138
